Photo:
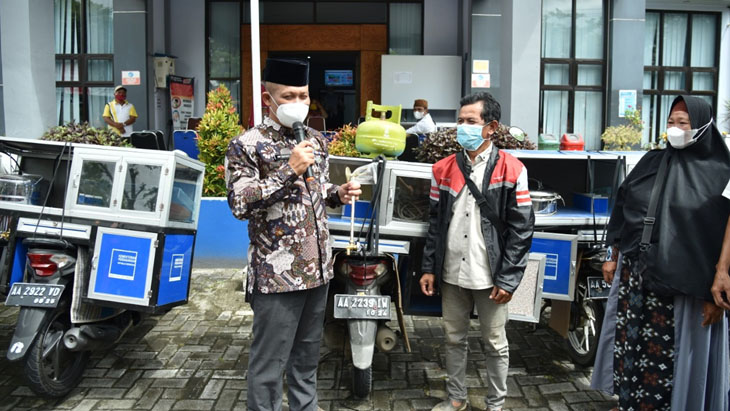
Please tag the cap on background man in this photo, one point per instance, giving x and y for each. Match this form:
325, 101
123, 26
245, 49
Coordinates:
425, 123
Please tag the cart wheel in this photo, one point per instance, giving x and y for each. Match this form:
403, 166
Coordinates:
585, 331
362, 381
53, 371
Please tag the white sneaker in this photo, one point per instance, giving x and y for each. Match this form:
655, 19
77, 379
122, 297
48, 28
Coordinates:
448, 406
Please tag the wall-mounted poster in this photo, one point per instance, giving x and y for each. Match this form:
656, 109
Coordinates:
626, 101
480, 80
480, 66
181, 100
131, 78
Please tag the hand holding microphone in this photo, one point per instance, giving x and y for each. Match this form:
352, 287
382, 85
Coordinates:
302, 155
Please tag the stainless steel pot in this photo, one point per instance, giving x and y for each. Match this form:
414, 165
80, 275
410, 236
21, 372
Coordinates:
23, 189
545, 202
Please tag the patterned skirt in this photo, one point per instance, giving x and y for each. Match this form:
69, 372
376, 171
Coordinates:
644, 346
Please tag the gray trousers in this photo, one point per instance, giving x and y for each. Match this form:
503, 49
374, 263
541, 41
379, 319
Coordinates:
287, 329
457, 304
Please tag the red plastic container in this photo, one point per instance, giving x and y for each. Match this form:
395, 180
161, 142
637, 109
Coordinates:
572, 142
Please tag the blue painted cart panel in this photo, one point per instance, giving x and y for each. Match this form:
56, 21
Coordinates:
176, 266
124, 266
560, 255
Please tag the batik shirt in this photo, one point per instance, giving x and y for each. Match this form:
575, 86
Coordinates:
289, 247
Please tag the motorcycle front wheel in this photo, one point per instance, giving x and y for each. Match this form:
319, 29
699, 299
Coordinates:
53, 371
585, 332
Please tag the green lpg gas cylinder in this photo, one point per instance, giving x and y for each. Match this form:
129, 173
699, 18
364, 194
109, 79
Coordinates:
381, 135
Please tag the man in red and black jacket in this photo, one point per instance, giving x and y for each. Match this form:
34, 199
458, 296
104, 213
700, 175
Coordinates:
477, 246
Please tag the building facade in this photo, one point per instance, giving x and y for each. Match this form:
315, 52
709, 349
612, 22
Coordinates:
556, 66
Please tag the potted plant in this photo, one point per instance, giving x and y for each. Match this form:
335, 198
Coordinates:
343, 142
218, 126
624, 137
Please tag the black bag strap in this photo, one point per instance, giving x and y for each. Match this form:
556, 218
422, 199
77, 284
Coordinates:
482, 202
650, 219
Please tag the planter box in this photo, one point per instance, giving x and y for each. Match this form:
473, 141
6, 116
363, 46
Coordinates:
222, 240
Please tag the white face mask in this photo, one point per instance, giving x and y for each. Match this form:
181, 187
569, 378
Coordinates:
680, 139
290, 113
418, 115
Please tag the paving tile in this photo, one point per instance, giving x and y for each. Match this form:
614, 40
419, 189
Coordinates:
212, 389
163, 405
97, 382
138, 389
169, 383
149, 399
160, 374
556, 388
106, 393
194, 405
115, 405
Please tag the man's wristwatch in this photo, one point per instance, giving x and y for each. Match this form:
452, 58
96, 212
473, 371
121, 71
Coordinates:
610, 255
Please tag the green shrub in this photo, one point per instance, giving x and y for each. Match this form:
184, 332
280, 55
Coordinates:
343, 143
626, 136
442, 143
218, 126
85, 134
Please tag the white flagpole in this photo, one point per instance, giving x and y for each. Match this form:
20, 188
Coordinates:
255, 63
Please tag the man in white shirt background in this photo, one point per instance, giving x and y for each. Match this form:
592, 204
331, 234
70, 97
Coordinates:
120, 114
425, 123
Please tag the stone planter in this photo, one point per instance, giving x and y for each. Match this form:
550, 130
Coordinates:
222, 240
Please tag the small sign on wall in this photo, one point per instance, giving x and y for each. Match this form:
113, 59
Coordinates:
403, 77
131, 78
479, 80
480, 66
626, 101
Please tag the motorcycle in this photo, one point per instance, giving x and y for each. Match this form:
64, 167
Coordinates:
52, 346
366, 309
93, 240
367, 277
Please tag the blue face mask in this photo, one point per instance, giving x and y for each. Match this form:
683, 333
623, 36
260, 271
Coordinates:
469, 136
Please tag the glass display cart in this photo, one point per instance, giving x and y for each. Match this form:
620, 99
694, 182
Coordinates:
136, 210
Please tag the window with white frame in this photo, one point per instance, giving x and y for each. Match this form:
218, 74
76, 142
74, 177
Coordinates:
572, 69
681, 52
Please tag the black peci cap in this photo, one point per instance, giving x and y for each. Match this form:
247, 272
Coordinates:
289, 72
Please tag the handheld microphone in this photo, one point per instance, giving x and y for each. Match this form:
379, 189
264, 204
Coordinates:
299, 135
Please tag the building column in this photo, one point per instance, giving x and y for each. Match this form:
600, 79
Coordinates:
158, 99
28, 67
625, 54
130, 53
520, 65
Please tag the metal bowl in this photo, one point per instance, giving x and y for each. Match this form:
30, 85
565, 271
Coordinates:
545, 202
